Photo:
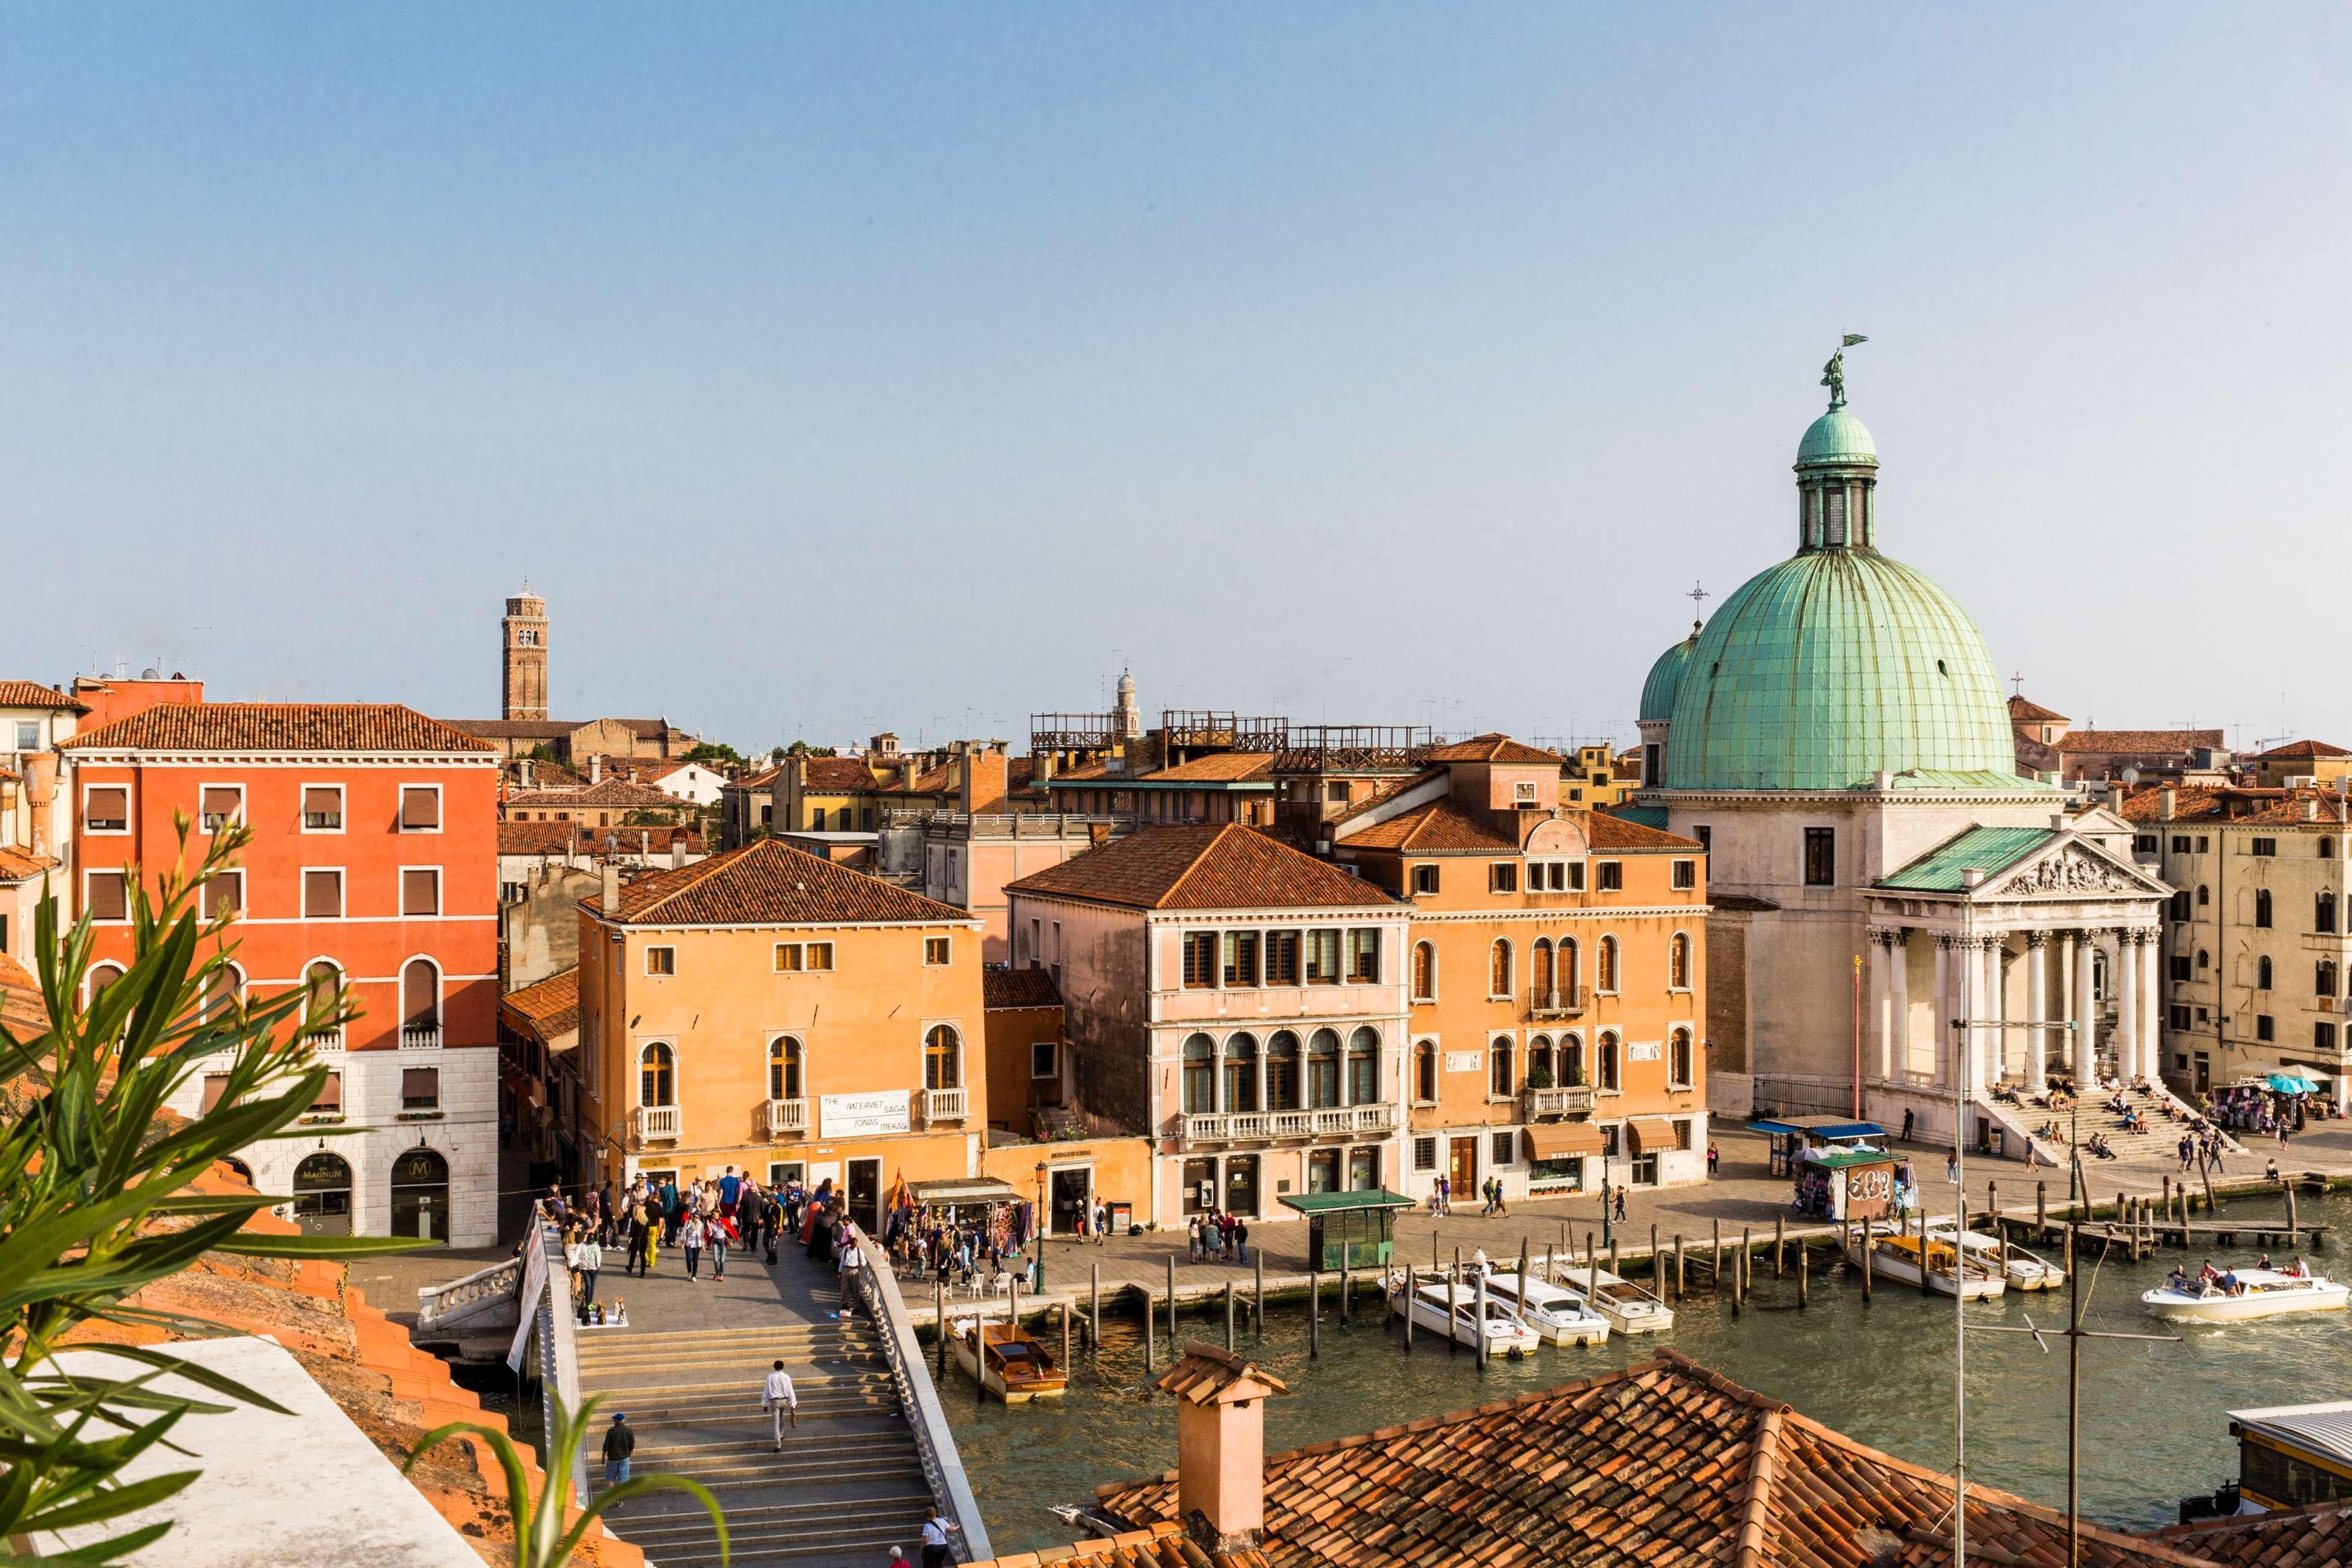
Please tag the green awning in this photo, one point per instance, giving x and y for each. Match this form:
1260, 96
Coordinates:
1346, 1202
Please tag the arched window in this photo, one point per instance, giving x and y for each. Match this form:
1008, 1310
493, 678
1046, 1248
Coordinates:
657, 1074
942, 1058
1282, 1071
1540, 972
1425, 972
1571, 1061
2322, 913
322, 980
221, 994
1498, 1068
1241, 1072
1606, 980
2262, 973
1678, 965
1678, 1058
322, 1194
2326, 849
1498, 980
1323, 1070
2203, 958
1609, 1059
1567, 964
1200, 1075
2204, 895
1424, 1072
2263, 907
2323, 978
785, 1062
420, 1003
1364, 1066
102, 975
1540, 1064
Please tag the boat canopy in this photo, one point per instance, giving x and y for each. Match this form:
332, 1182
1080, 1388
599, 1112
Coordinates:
1831, 1127
963, 1190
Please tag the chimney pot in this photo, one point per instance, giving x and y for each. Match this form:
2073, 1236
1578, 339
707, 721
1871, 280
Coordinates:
596, 768
1221, 1446
608, 903
1972, 877
2166, 803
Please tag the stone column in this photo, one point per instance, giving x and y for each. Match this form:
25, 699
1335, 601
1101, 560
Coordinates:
2126, 974
1967, 981
1882, 1033
2037, 1011
1996, 1007
2151, 1007
2066, 1043
1940, 1024
1898, 955
2086, 1009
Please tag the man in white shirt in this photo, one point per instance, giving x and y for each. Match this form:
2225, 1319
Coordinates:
777, 1398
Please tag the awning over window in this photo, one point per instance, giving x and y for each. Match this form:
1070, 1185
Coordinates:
1651, 1136
1562, 1140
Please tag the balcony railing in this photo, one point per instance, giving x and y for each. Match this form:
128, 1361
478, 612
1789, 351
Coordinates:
1575, 1100
658, 1123
946, 1104
1266, 1126
1557, 1001
787, 1116
419, 1037
327, 1040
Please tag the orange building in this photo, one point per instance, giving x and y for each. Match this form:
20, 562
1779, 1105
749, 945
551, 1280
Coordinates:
770, 1010
1555, 975
373, 861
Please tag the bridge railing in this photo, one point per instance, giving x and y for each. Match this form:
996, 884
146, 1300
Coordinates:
878, 1292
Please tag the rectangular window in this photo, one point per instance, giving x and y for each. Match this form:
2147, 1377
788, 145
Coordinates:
661, 961
1200, 959
323, 895
322, 808
420, 1088
1503, 877
1323, 956
1821, 857
1576, 877
420, 808
1240, 960
1683, 1135
1424, 878
224, 893
1282, 958
215, 1086
1685, 876
29, 735
1502, 1147
2265, 1029
2203, 844
1042, 1062
1611, 876
1424, 1153
2265, 847
2322, 1036
329, 1100
107, 895
2181, 966
2180, 844
106, 809
792, 957
2178, 1016
420, 891
1705, 836
1364, 955
936, 949
2144, 843
217, 806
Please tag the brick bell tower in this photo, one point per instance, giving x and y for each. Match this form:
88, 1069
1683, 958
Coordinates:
523, 654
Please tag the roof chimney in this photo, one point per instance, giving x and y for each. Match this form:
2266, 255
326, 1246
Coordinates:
2311, 808
1221, 1446
596, 768
2165, 804
40, 793
2115, 795
608, 903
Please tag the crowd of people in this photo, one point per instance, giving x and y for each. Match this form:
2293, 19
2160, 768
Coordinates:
2211, 1281
1218, 1238
708, 1219
970, 1246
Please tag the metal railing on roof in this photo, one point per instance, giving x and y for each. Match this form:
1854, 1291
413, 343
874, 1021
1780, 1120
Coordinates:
1181, 727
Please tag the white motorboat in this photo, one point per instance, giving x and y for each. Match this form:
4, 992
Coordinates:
1558, 1316
1898, 1258
2260, 1293
1629, 1309
1441, 1307
2020, 1270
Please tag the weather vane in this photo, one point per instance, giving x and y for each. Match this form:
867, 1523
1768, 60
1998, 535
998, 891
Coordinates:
1833, 373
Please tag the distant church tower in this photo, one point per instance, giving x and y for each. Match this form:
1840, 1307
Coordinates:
524, 656
1128, 716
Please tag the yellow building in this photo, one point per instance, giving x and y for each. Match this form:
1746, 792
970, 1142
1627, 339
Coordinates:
768, 1010
1595, 777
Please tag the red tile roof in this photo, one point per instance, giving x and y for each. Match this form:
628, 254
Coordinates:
2297, 750
564, 838
1218, 767
1162, 1546
1436, 828
760, 779
772, 883
2315, 1537
1200, 866
1491, 747
22, 1010
277, 727
2140, 740
549, 1007
33, 694
2236, 807
1607, 832
837, 776
617, 794
1002, 988
2021, 709
1664, 1464
23, 865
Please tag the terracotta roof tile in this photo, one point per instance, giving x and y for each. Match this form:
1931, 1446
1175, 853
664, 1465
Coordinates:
548, 1008
33, 694
277, 727
22, 1011
760, 779
2143, 740
1491, 747
772, 883
1219, 767
1440, 826
837, 776
1001, 987
1607, 832
569, 837
2299, 750
23, 865
618, 793
1200, 866
2314, 1537
2021, 709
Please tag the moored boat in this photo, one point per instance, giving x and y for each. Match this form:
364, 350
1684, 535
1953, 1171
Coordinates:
1558, 1316
1005, 1360
1629, 1309
1900, 1259
1441, 1307
2259, 1293
2020, 1270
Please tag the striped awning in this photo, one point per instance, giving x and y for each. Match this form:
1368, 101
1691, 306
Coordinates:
1562, 1140
1651, 1135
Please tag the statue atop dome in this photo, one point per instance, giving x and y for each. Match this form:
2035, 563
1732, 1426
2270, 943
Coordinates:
1833, 373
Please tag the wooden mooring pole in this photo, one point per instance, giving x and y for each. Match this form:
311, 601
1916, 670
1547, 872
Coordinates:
1229, 1315
1678, 1266
1779, 1240
939, 1318
1714, 1275
1315, 1314
1869, 1245
1804, 1276
1066, 1338
1258, 1295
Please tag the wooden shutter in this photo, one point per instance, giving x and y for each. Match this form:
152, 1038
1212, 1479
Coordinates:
108, 805
323, 895
219, 802
330, 1096
420, 893
216, 1085
416, 1008
322, 800
224, 892
420, 808
420, 1088
110, 896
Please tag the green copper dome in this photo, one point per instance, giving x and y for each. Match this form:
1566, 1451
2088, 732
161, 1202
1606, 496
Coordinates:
1837, 438
1666, 678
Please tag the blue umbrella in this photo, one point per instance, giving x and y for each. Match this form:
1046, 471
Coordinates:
2292, 1083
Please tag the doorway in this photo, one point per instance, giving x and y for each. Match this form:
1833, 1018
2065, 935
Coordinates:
2204, 1072
420, 1195
866, 1194
1200, 1185
1240, 1185
780, 1171
322, 1195
1071, 1194
1464, 1170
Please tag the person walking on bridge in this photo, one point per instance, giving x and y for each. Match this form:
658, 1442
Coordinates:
777, 1398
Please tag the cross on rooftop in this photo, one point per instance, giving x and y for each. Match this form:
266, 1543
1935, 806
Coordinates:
1696, 595
2017, 683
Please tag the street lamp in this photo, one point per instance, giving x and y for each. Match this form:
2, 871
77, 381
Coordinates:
1041, 1223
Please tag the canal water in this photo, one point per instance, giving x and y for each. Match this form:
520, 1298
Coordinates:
2154, 1428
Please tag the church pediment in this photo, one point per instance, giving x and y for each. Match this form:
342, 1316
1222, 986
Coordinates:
2072, 868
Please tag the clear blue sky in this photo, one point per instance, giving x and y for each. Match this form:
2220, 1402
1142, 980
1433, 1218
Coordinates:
835, 369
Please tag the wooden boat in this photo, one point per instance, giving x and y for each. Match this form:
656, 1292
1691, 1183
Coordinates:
1629, 1309
1897, 1257
1441, 1307
2262, 1293
1558, 1316
1005, 1360
2020, 1270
